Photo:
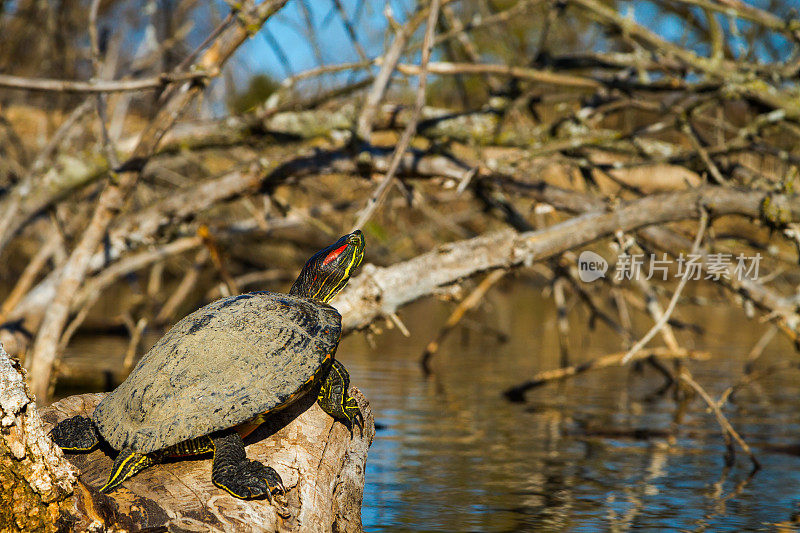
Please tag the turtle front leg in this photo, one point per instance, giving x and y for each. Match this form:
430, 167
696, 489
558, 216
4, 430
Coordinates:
239, 476
126, 465
335, 400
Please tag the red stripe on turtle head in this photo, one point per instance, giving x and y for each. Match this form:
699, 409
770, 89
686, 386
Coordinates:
334, 254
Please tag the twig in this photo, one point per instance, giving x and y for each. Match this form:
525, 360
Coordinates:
108, 146
721, 502
273, 43
100, 86
155, 281
30, 273
688, 130
136, 333
216, 258
676, 295
522, 73
739, 9
517, 393
654, 308
562, 318
595, 309
260, 277
215, 33
350, 31
93, 287
381, 83
727, 428
183, 289
61, 134
405, 140
313, 41
455, 317
466, 43
754, 376
397, 321
759, 348
11, 219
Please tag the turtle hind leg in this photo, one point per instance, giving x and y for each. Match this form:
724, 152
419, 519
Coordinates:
239, 476
126, 465
335, 400
76, 434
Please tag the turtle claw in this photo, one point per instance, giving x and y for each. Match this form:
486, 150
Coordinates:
243, 478
333, 398
354, 416
360, 421
251, 480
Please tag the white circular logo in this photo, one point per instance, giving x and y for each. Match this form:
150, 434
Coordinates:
591, 266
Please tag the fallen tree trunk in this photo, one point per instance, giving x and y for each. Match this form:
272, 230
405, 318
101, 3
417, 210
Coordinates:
321, 466
380, 291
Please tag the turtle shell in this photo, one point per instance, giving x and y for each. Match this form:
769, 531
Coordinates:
220, 366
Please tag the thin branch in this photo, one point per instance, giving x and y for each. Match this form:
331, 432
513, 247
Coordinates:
676, 295
108, 145
184, 288
455, 317
30, 273
523, 73
686, 377
100, 86
381, 83
654, 308
379, 195
754, 376
136, 332
350, 30
273, 43
517, 393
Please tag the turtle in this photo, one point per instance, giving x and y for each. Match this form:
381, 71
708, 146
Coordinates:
220, 371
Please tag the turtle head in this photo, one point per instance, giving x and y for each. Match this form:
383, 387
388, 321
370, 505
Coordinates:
328, 271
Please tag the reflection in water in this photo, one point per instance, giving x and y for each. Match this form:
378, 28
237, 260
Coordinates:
599, 451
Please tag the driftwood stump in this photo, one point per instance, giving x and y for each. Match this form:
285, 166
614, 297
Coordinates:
321, 466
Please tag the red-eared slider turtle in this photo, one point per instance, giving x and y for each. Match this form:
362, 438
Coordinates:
222, 369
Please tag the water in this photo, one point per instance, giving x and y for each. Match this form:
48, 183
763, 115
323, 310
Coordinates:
454, 455
451, 454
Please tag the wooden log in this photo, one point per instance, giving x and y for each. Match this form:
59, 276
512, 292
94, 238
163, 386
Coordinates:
321, 466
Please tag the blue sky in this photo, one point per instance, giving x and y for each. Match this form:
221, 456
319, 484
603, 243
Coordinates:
289, 29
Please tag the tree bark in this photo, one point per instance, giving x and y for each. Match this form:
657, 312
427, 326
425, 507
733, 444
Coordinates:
36, 482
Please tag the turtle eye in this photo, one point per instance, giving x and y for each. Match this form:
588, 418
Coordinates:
334, 254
